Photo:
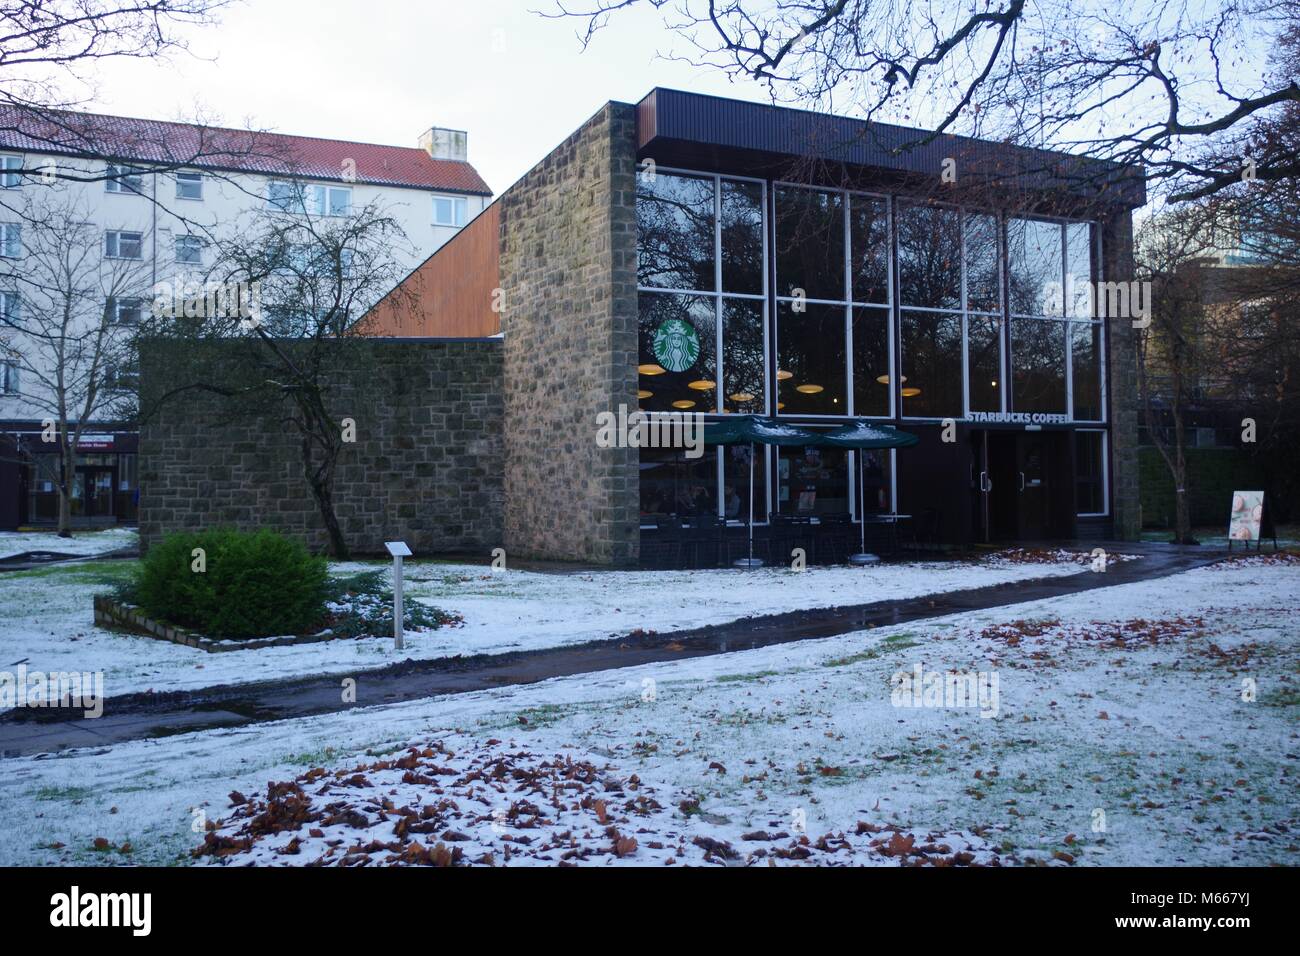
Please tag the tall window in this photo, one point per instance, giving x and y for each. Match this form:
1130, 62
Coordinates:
1056, 336
1086, 337
869, 283
1090, 471
833, 302
8, 378
930, 299
984, 321
702, 307
1036, 273
10, 308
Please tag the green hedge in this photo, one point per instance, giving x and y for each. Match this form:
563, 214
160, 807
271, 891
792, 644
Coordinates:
257, 584
1213, 474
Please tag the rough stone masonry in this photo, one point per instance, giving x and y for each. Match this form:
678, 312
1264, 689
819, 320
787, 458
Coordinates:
426, 466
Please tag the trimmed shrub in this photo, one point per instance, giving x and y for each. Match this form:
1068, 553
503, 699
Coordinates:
257, 584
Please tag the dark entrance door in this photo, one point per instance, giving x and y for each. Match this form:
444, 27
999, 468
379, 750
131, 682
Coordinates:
1034, 462
97, 491
1018, 489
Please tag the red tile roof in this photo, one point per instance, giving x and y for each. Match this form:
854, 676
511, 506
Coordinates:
250, 151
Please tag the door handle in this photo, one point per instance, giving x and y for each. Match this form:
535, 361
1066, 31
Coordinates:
1022, 481
985, 485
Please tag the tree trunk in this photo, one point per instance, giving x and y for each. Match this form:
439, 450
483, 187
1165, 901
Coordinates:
321, 491
321, 478
65, 484
1182, 513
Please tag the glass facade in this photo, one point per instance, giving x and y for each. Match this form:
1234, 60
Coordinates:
702, 338
818, 303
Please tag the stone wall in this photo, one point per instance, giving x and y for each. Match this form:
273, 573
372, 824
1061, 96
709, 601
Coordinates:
426, 466
568, 274
1121, 371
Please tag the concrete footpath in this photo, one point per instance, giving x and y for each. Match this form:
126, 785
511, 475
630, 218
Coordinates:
138, 716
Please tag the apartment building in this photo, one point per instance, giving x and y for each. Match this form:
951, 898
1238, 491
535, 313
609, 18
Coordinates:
148, 199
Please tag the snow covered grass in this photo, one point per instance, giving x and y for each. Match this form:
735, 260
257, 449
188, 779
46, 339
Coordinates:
81, 543
46, 615
1169, 741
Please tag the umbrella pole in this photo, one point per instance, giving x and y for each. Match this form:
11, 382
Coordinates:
862, 557
751, 561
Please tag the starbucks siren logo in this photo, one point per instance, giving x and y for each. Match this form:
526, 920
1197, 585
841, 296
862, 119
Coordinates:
676, 345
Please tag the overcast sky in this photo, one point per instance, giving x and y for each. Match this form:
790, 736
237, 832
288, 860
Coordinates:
382, 71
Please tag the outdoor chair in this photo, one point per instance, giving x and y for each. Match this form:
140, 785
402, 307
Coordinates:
833, 535
704, 540
665, 543
924, 531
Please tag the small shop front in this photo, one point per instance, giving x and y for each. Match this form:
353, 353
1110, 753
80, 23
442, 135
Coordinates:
104, 489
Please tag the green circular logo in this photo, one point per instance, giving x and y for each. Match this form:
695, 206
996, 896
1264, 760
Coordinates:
676, 345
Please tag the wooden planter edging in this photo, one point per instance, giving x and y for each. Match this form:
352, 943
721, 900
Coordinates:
125, 617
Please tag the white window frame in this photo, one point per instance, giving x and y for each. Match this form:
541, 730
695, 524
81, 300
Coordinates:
115, 237
189, 241
718, 297
11, 306
9, 177
124, 180
190, 178
1004, 387
118, 306
460, 203
323, 198
11, 235
1069, 321
311, 198
113, 375
848, 303
9, 377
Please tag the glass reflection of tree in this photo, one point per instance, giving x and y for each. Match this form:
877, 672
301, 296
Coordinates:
929, 257
742, 237
675, 232
1038, 352
743, 360
1034, 250
983, 290
869, 240
810, 243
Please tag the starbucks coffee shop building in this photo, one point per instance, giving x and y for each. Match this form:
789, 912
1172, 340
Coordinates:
691, 254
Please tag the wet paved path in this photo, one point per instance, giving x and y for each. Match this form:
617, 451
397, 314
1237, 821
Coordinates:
138, 716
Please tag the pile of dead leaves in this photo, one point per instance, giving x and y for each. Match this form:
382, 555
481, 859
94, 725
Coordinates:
463, 802
1121, 635
1055, 556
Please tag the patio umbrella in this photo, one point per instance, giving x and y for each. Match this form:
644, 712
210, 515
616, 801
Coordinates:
755, 430
860, 435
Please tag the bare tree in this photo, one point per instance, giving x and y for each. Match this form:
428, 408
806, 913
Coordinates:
69, 313
1175, 350
1157, 83
275, 323
48, 52
46, 46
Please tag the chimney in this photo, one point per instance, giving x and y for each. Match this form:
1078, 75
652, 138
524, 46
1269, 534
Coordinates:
442, 143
